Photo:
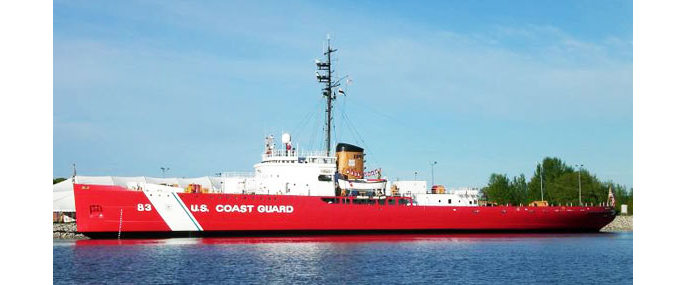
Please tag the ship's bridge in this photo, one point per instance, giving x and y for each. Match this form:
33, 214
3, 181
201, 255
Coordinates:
295, 172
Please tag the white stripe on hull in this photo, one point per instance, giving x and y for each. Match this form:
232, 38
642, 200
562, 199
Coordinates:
170, 207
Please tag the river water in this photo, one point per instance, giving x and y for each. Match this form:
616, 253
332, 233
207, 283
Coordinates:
364, 259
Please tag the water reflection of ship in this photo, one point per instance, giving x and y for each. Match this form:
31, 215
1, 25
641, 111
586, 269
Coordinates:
364, 238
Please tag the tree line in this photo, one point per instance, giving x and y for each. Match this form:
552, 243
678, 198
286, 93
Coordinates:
560, 187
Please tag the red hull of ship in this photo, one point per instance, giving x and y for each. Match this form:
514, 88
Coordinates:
102, 210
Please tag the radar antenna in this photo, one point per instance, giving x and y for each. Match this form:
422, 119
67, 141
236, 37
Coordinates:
328, 87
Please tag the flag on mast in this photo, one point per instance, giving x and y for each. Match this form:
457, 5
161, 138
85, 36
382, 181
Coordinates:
610, 198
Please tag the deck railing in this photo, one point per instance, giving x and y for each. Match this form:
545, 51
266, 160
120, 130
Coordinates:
294, 153
237, 174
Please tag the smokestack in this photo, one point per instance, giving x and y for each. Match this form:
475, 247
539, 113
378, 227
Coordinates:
350, 161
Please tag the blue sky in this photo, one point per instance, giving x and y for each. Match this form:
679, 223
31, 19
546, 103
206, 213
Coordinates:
479, 86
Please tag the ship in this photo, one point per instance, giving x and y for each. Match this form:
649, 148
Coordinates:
292, 191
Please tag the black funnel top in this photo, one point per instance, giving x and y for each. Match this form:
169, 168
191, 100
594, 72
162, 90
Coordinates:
348, 147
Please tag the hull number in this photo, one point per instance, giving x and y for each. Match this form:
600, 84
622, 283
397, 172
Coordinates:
144, 207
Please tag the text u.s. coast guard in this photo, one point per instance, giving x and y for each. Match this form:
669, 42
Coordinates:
228, 208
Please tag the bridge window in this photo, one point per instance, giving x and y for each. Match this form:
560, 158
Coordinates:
391, 201
324, 178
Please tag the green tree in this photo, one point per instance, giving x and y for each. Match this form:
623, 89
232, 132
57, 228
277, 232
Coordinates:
519, 189
502, 190
552, 169
560, 187
497, 189
563, 189
622, 196
58, 180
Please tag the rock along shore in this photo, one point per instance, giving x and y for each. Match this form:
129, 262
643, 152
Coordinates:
620, 224
66, 231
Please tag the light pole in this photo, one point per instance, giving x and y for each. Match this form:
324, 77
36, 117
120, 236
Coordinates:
541, 168
432, 172
579, 166
73, 176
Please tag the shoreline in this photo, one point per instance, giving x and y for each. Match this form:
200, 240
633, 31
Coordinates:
68, 230
620, 224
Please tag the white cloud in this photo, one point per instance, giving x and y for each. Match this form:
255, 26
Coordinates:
475, 76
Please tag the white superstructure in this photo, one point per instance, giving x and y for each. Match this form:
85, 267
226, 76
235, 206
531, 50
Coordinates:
457, 197
290, 172
285, 171
408, 187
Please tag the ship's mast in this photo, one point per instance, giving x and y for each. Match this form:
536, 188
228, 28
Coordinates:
327, 90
